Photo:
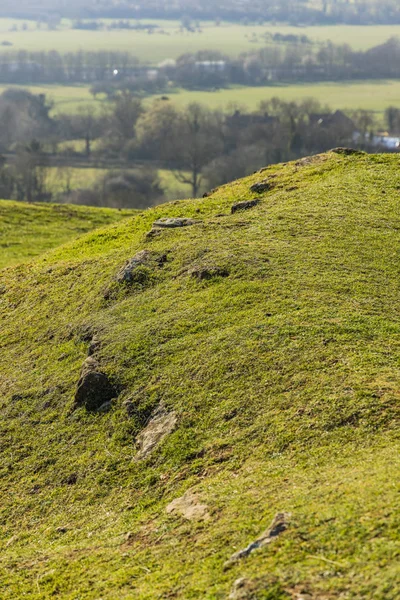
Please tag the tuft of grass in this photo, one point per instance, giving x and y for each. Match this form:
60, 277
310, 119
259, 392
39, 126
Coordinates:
283, 376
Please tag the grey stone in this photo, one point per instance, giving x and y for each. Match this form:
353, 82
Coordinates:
245, 205
279, 524
173, 222
126, 273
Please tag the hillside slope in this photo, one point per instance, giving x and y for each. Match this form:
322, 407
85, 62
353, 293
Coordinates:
254, 359
27, 230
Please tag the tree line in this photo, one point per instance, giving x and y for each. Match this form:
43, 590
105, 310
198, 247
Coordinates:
200, 146
292, 11
109, 71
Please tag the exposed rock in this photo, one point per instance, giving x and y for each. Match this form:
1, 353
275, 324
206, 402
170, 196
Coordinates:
245, 205
279, 524
190, 507
161, 424
94, 388
346, 151
261, 186
308, 160
172, 222
126, 273
153, 232
139, 269
204, 273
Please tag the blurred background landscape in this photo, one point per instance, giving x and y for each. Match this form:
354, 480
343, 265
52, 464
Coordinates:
128, 104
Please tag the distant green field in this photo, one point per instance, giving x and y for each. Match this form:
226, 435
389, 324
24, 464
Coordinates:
27, 230
229, 38
59, 178
373, 95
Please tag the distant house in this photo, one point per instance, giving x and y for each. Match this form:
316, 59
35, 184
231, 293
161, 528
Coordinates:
386, 142
211, 66
241, 120
336, 120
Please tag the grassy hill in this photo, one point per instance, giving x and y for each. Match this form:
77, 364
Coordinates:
254, 359
27, 230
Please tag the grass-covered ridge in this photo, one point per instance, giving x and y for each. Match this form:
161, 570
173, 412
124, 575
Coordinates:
27, 230
281, 368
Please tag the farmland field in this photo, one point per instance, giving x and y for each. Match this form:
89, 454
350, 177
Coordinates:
152, 48
58, 179
373, 95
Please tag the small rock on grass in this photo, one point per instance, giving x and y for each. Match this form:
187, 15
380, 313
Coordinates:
245, 205
94, 388
346, 151
279, 524
261, 186
161, 424
172, 222
142, 258
190, 507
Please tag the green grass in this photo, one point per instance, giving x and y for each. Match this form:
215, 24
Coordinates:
229, 38
27, 230
284, 376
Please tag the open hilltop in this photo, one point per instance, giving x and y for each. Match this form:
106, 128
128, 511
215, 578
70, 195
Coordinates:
201, 401
27, 230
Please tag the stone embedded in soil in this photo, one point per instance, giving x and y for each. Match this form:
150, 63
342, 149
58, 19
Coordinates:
94, 388
245, 205
260, 187
161, 424
172, 222
127, 271
279, 524
346, 151
205, 273
130, 273
190, 507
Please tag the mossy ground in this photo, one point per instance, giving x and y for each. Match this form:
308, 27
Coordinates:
27, 230
284, 377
